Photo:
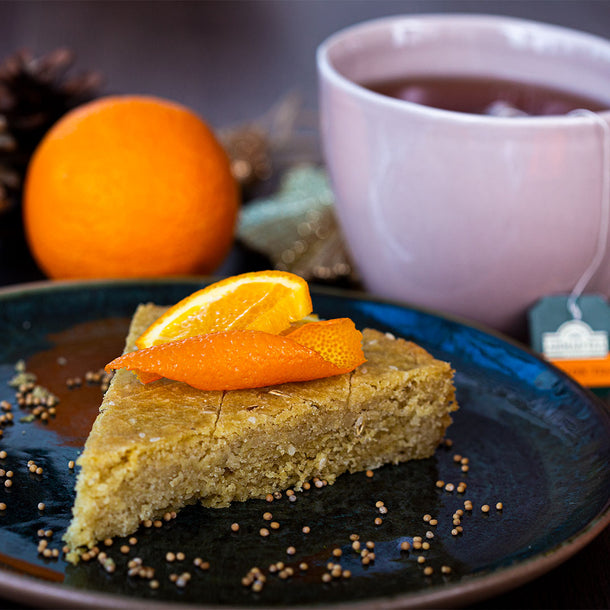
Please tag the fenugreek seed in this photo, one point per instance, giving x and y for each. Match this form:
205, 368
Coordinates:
2, 506
448, 442
319, 484
336, 571
405, 545
10, 474
449, 487
425, 546
47, 553
433, 522
378, 504
421, 559
48, 533
417, 538
147, 523
204, 565
440, 483
292, 498
464, 460
499, 506
427, 518
371, 556
378, 521
41, 506
303, 566
170, 556
445, 569
429, 534
280, 565
353, 537
157, 523
457, 457
173, 577
291, 550
370, 545
180, 556
454, 532
330, 565
153, 584
370, 474
39, 470
306, 529
459, 512
263, 531
32, 468
306, 485
197, 561
246, 581
459, 528
356, 545
234, 527
267, 516
383, 510
365, 561
465, 468
133, 540
428, 570
290, 492
485, 508
167, 517
257, 586
108, 542
269, 498
337, 552
124, 549
2, 472
326, 577
277, 495
274, 525
8, 483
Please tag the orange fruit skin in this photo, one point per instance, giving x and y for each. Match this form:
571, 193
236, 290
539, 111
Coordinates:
239, 359
129, 186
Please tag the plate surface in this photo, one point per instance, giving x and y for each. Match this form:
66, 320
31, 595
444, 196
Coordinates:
534, 441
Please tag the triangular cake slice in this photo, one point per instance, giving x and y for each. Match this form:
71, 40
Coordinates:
157, 447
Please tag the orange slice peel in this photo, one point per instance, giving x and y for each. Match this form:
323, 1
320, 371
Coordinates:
268, 301
239, 359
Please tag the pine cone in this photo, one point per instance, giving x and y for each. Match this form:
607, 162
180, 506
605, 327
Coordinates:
34, 94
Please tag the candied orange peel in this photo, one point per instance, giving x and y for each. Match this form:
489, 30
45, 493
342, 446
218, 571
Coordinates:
239, 333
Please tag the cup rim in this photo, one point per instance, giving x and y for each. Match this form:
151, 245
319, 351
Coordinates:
327, 71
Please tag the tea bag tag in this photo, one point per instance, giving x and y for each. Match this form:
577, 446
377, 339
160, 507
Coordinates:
572, 330
580, 346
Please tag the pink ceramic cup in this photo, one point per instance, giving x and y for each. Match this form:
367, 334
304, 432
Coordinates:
471, 215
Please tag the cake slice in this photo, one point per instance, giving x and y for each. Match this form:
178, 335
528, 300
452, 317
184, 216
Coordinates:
157, 447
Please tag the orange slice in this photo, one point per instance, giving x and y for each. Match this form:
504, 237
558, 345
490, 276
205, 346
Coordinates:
268, 301
239, 359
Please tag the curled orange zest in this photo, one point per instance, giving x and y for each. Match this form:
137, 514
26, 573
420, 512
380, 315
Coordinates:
240, 359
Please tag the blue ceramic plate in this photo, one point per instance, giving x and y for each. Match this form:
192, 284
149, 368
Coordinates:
534, 440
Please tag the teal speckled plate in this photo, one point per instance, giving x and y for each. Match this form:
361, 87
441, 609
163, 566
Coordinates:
535, 441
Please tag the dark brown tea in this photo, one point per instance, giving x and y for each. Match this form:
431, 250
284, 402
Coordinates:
491, 96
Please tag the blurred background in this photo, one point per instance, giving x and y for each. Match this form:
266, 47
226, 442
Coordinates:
231, 60
235, 62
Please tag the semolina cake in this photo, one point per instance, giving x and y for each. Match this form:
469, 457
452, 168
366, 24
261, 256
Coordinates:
157, 447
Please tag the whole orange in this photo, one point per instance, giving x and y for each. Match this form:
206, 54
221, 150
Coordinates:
129, 186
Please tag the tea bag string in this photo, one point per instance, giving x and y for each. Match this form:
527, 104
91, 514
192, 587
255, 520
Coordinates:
602, 237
